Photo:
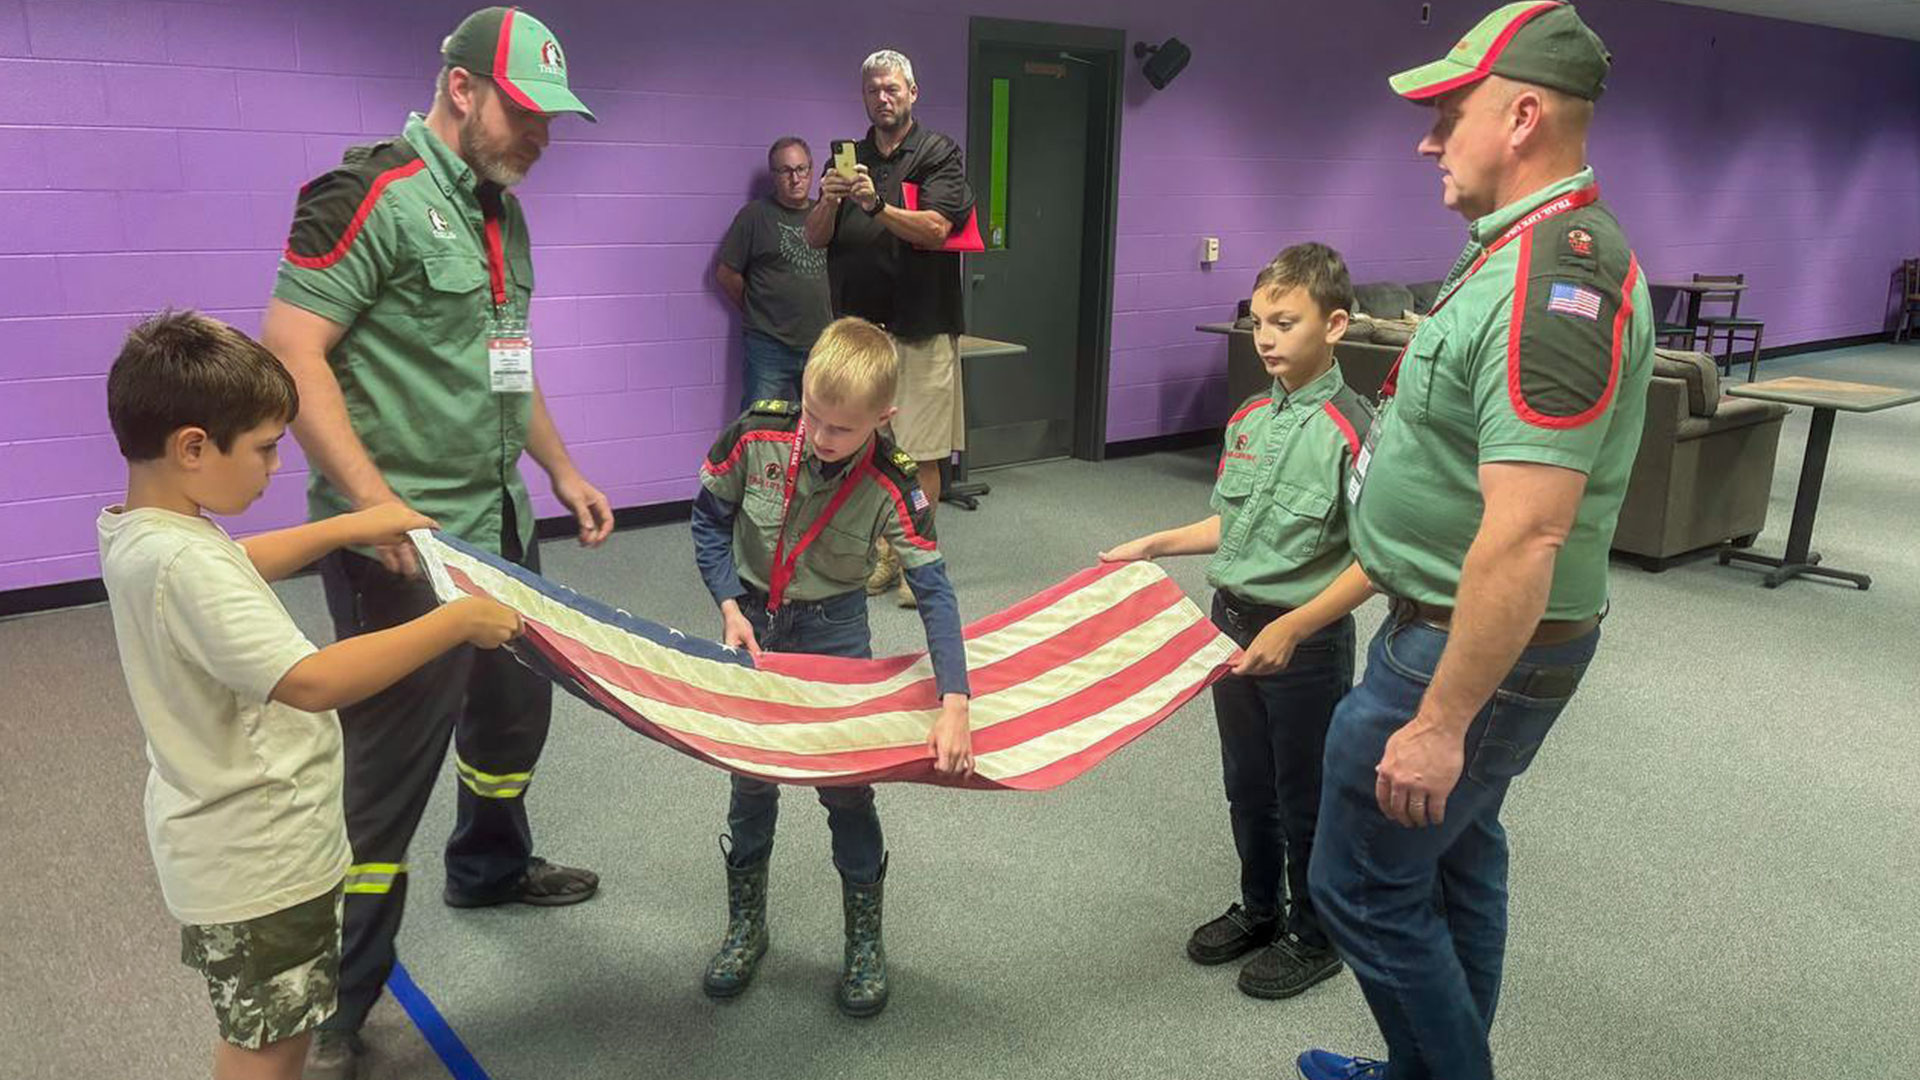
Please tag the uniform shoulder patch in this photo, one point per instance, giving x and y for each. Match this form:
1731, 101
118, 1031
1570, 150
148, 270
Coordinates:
333, 207
1352, 415
775, 407
894, 463
1585, 246
1569, 320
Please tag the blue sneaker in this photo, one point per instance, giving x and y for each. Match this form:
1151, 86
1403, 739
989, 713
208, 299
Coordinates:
1326, 1065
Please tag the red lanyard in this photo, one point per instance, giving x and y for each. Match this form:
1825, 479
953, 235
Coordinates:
784, 562
496, 260
1554, 207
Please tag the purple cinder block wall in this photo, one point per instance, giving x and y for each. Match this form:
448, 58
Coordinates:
149, 153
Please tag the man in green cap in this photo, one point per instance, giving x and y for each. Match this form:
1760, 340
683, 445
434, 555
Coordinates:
401, 310
1483, 505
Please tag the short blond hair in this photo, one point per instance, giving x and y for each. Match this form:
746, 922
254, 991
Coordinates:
854, 362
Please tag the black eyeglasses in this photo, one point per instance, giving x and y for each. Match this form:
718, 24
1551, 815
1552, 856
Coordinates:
792, 170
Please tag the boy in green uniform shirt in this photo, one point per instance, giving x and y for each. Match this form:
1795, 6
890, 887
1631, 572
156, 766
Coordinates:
1286, 590
793, 499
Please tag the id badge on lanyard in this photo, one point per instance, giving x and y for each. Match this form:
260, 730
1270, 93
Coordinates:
509, 346
509, 353
1357, 476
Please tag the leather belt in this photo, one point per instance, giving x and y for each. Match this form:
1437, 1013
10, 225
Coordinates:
1548, 632
1245, 615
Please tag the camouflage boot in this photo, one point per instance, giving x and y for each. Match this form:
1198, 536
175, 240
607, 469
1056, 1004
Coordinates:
863, 980
732, 968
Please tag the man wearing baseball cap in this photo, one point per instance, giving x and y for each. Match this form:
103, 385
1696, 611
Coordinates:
401, 310
1482, 505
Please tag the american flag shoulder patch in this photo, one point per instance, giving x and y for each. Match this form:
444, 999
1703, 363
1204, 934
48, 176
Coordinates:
1060, 680
1566, 298
919, 499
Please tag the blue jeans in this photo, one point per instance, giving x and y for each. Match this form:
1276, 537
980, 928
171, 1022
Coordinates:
773, 370
836, 626
1421, 914
1273, 734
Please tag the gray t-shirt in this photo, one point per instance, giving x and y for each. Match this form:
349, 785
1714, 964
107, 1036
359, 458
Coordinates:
786, 279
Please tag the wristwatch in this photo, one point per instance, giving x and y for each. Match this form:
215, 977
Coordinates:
879, 204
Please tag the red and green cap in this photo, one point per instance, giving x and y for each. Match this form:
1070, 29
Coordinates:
519, 54
1542, 42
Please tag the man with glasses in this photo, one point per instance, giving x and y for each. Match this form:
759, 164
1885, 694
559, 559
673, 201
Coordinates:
778, 282
401, 311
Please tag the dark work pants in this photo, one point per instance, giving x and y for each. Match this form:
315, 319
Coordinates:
836, 626
496, 712
1273, 733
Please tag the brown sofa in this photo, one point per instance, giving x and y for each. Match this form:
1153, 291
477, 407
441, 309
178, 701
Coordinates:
1705, 466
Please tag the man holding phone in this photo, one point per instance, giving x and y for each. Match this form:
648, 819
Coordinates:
883, 226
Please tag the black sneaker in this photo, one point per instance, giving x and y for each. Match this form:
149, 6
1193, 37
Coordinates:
1230, 936
334, 1055
1286, 967
544, 884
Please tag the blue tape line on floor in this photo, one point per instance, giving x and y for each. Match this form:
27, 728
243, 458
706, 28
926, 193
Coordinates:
439, 1034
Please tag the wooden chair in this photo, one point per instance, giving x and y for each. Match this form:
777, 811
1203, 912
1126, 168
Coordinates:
1736, 329
1668, 335
1909, 299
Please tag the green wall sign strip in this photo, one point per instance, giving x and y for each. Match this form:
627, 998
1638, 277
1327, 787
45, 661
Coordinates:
997, 192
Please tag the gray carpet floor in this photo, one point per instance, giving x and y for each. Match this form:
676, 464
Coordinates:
1714, 869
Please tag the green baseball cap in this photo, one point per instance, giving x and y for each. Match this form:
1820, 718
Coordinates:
1542, 42
519, 53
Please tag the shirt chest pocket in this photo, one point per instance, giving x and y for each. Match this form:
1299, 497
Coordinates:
1413, 391
761, 507
453, 306
1298, 524
1234, 485
841, 556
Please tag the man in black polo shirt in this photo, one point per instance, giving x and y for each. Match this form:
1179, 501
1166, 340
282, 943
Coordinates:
883, 264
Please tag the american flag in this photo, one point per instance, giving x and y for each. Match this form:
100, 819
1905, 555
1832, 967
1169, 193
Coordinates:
1569, 299
1060, 680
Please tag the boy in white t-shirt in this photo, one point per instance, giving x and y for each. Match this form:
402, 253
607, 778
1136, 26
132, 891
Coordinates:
243, 802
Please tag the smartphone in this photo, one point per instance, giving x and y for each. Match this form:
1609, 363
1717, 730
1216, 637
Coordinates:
843, 158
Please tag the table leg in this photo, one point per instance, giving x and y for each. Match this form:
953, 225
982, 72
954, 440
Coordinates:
956, 490
1799, 560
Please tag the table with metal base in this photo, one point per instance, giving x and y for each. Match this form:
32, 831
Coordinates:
954, 487
1825, 397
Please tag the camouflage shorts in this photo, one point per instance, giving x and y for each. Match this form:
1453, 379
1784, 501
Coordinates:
273, 977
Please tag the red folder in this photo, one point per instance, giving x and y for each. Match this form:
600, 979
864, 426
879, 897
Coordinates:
966, 239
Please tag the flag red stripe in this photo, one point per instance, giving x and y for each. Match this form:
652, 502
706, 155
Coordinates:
1058, 715
1073, 643
1040, 601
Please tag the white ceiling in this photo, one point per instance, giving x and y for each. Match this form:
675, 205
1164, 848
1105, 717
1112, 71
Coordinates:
1891, 18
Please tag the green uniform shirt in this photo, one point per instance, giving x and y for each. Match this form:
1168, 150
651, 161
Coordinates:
393, 246
1283, 521
748, 467
1541, 355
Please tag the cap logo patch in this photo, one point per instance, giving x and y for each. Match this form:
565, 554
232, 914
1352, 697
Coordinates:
1580, 241
1462, 46
1240, 442
551, 60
